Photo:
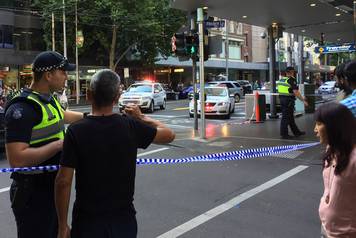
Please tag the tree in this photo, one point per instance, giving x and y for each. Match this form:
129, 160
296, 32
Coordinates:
115, 28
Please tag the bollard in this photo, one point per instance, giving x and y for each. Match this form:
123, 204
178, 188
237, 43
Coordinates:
257, 107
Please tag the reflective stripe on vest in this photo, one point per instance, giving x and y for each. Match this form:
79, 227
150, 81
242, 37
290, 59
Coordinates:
283, 86
52, 123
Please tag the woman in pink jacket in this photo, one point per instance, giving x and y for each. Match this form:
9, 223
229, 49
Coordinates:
336, 128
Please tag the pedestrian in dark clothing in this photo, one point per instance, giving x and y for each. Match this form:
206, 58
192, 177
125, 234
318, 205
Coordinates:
102, 149
34, 127
342, 84
288, 91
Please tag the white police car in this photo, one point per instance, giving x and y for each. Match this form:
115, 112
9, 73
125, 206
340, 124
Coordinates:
146, 95
218, 102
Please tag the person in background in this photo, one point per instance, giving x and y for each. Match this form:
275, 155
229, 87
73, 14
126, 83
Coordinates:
337, 210
350, 76
102, 149
342, 83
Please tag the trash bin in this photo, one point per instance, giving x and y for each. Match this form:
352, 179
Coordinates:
250, 104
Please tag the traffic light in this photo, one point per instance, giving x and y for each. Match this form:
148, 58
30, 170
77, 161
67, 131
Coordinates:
192, 44
178, 44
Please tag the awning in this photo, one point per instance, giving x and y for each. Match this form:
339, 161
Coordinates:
334, 18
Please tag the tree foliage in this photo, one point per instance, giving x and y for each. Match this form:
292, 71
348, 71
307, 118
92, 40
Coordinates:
142, 28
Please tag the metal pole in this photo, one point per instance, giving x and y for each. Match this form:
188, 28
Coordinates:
301, 60
194, 74
272, 71
354, 21
53, 34
201, 68
226, 51
64, 31
77, 86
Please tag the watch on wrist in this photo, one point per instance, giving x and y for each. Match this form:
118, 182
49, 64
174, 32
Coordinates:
85, 114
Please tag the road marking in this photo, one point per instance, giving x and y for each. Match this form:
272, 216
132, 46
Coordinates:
180, 108
138, 155
206, 216
167, 116
4, 189
152, 151
179, 126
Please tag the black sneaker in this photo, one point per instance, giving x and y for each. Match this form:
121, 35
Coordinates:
301, 133
287, 137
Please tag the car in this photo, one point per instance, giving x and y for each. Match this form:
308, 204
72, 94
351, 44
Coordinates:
328, 87
234, 88
218, 102
146, 95
246, 86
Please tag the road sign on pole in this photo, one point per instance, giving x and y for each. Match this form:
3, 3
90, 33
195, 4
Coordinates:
335, 49
214, 24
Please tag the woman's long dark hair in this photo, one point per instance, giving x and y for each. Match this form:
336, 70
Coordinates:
340, 125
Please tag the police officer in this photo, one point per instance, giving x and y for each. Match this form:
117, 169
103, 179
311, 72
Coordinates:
288, 91
34, 122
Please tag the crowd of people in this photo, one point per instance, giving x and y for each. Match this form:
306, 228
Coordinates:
35, 136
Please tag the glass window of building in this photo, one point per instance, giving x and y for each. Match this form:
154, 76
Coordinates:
234, 50
6, 37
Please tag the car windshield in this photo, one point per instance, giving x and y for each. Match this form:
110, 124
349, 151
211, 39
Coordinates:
141, 88
221, 92
243, 82
329, 83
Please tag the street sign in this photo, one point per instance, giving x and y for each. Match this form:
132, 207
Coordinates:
214, 24
335, 49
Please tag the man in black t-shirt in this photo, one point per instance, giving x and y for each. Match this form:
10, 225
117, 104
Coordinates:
102, 149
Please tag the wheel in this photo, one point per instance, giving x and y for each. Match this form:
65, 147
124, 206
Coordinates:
233, 109
237, 98
152, 107
163, 106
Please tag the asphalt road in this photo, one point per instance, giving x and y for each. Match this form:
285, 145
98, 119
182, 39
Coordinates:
275, 196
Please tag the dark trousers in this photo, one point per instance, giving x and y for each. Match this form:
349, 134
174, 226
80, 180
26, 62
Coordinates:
103, 226
32, 202
287, 106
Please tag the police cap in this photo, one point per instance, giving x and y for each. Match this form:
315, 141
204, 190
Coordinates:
51, 60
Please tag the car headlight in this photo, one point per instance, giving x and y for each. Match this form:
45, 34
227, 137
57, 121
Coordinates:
222, 103
146, 98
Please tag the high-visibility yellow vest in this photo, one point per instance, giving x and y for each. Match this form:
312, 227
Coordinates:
283, 86
51, 126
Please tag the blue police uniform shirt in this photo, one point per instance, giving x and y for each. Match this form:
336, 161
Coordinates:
350, 102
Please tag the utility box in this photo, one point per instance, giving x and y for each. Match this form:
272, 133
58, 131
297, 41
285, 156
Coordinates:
309, 92
250, 104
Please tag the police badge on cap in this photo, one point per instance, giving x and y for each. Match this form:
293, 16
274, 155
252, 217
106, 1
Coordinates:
51, 60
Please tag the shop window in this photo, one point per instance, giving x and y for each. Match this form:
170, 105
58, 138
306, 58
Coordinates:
29, 39
6, 37
234, 49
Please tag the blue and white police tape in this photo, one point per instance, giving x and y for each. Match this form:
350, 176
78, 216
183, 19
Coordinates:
224, 156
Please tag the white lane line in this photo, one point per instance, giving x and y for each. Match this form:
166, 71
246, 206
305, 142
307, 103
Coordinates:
138, 155
206, 216
179, 126
4, 189
166, 116
152, 151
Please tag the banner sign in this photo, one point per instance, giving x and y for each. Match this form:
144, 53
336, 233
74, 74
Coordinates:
335, 49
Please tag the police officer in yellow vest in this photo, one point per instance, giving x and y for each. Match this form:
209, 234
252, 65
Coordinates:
34, 124
288, 91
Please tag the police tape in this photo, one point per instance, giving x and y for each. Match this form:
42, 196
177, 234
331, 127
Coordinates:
224, 156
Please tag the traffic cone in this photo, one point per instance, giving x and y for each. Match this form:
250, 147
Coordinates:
257, 108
